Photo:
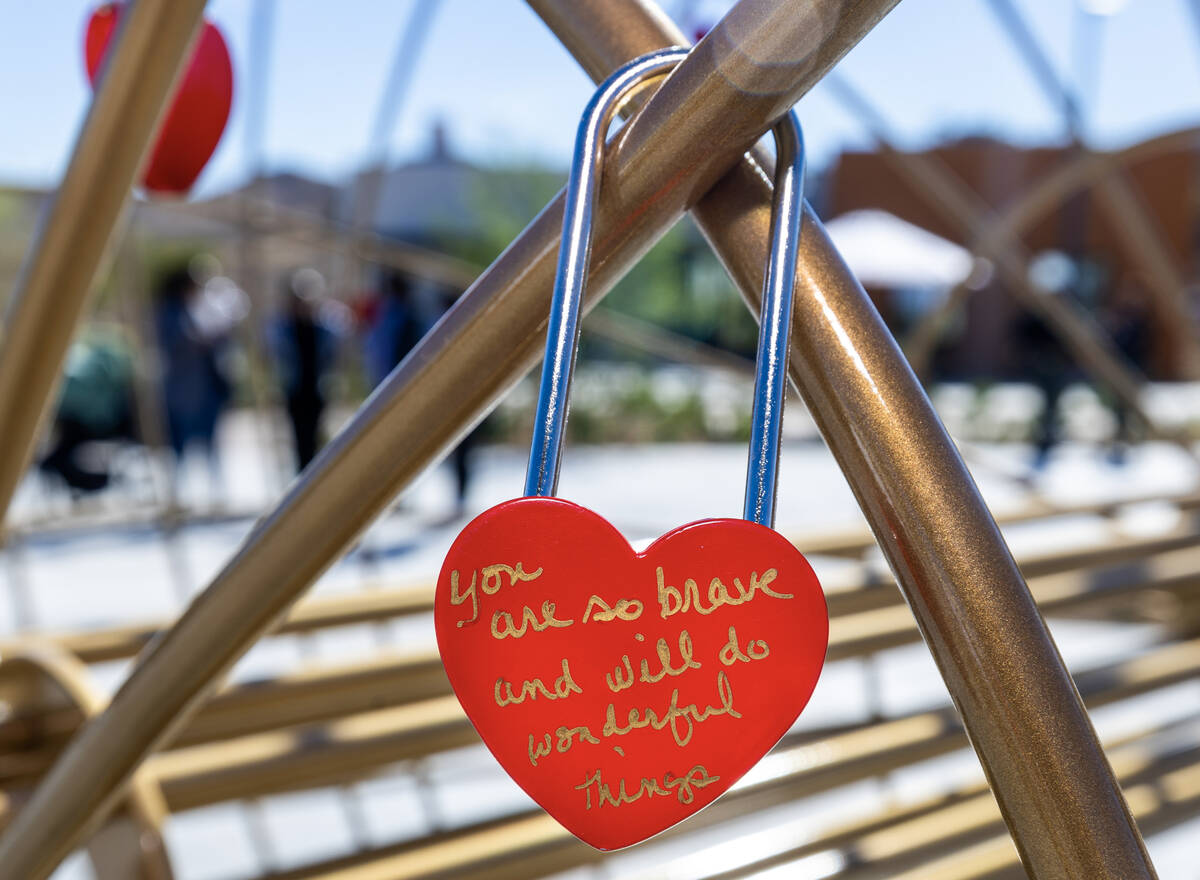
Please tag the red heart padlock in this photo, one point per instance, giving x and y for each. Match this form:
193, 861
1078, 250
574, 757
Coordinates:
196, 117
625, 691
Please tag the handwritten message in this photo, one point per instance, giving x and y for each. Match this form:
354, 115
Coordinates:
624, 691
674, 658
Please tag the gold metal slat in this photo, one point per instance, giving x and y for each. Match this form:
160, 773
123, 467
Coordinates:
321, 693
486, 852
1158, 804
355, 745
951, 820
863, 589
324, 693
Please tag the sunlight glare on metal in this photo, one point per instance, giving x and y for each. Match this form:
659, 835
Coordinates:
728, 856
781, 763
810, 868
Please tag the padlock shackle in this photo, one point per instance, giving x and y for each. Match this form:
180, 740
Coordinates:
775, 323
562, 334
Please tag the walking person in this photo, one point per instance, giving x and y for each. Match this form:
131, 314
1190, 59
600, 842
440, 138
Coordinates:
303, 340
407, 309
195, 333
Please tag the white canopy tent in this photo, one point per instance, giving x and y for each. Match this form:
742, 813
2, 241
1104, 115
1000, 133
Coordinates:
884, 251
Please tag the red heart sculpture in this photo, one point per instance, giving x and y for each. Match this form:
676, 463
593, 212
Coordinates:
196, 118
625, 691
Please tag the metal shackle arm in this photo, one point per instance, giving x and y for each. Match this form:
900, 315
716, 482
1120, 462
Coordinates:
775, 323
574, 255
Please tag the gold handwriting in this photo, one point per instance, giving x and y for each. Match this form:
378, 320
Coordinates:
683, 787
538, 748
664, 658
492, 580
625, 609
672, 600
503, 625
615, 680
756, 649
566, 737
564, 686
619, 680
682, 720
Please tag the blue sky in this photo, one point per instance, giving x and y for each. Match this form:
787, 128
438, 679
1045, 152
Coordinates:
509, 93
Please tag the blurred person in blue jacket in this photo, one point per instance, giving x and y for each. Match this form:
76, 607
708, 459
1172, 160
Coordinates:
404, 313
195, 323
406, 310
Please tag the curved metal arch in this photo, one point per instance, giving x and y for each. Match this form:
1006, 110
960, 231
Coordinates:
718, 102
42, 678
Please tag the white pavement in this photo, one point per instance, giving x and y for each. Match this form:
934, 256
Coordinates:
121, 575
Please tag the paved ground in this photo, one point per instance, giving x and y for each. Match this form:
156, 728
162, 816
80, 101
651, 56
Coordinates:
98, 577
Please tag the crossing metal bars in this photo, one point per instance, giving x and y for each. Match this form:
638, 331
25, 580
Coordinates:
1024, 716
1018, 704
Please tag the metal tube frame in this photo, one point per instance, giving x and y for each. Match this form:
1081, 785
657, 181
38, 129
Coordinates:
1023, 714
1003, 671
139, 74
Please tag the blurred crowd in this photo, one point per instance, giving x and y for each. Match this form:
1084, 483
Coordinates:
204, 342
299, 351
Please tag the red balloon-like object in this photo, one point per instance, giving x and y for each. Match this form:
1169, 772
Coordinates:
196, 118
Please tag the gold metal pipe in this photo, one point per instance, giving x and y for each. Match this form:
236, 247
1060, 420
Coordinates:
43, 681
719, 101
1087, 170
1021, 710
146, 57
634, 334
922, 341
1031, 733
1145, 243
274, 221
